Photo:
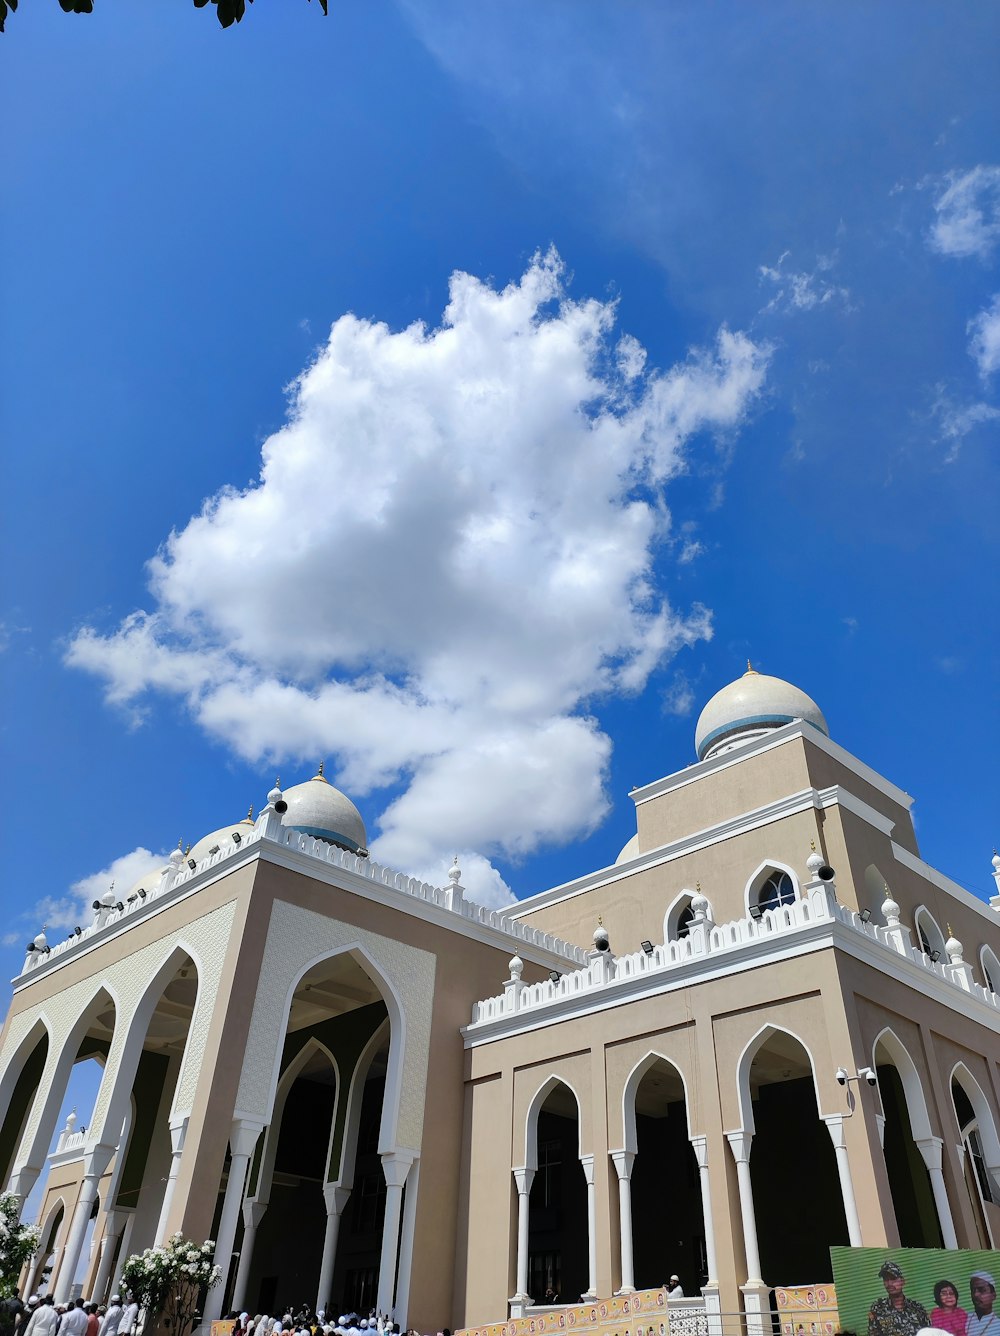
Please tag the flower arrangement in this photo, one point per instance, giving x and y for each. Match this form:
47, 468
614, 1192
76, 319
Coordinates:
168, 1282
17, 1243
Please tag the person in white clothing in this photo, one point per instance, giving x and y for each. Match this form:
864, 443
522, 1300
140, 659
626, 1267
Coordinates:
675, 1290
44, 1320
75, 1320
109, 1326
129, 1317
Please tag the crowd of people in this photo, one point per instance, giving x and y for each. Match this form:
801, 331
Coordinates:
40, 1315
308, 1323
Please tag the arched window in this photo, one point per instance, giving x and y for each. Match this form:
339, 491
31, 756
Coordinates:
684, 920
929, 935
991, 969
776, 890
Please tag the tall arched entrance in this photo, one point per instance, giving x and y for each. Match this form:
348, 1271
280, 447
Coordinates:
558, 1256
905, 1112
668, 1233
314, 1214
797, 1196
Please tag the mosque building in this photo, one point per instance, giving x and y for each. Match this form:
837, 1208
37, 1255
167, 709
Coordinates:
768, 1028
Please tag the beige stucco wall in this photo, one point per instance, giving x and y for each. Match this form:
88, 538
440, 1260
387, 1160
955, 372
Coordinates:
834, 1004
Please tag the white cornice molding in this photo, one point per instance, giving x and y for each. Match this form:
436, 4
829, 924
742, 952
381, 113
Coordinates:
943, 883
788, 733
802, 801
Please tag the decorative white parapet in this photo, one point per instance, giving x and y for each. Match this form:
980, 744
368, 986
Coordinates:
725, 944
110, 913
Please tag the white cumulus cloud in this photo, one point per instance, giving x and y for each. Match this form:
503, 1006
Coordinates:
967, 210
450, 555
984, 342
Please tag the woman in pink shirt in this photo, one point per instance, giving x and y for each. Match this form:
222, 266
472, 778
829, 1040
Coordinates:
947, 1316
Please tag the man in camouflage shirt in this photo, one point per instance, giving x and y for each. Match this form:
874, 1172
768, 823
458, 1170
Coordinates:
895, 1315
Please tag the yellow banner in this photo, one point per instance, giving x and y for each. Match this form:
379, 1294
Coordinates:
807, 1310
640, 1314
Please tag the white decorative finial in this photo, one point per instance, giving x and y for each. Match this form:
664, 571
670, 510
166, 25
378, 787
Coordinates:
177, 857
996, 861
455, 872
953, 948
41, 941
516, 966
699, 901
275, 793
815, 860
890, 909
601, 940
71, 1121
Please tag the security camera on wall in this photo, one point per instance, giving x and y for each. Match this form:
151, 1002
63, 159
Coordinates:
841, 1076
869, 1076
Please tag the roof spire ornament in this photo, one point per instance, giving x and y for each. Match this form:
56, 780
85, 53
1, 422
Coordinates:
751, 670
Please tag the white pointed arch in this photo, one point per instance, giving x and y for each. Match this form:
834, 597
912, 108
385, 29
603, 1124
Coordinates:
926, 925
534, 1109
906, 1070
129, 1039
46, 1228
756, 1043
39, 1030
309, 1049
397, 1032
985, 1118
760, 874
989, 963
631, 1089
675, 909
59, 1062
355, 1095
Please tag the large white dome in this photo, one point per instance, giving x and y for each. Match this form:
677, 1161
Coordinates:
752, 705
317, 808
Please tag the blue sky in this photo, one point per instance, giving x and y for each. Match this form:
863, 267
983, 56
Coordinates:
721, 379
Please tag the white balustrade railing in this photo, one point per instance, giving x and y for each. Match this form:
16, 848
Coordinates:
705, 944
443, 897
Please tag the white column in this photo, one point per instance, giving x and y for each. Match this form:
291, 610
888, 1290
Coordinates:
406, 1246
623, 1161
930, 1149
95, 1162
395, 1167
115, 1223
700, 1147
523, 1179
336, 1199
739, 1144
253, 1214
178, 1131
242, 1138
835, 1126
588, 1172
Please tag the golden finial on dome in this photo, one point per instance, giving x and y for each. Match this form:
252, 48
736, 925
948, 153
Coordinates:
751, 670
319, 773
600, 919
812, 845
248, 819
950, 933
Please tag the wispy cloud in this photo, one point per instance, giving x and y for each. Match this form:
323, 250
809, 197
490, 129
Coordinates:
803, 290
984, 342
452, 541
967, 209
956, 420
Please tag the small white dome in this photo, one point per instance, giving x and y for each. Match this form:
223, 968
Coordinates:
630, 851
317, 808
752, 705
221, 837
